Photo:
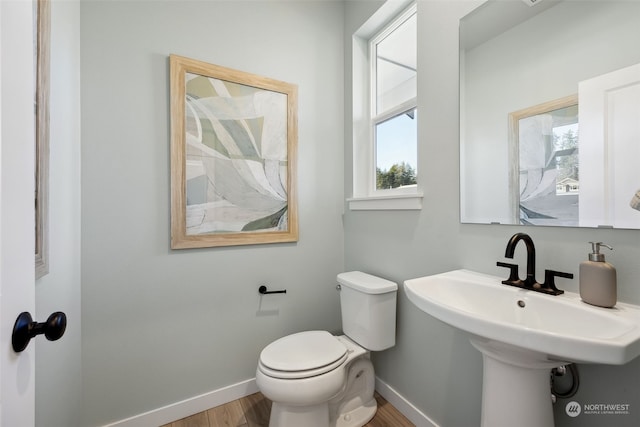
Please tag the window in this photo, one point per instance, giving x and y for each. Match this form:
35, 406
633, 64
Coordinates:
385, 110
395, 140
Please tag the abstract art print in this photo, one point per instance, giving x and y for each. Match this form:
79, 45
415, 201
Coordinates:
233, 157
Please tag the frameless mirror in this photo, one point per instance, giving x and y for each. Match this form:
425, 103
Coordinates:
550, 113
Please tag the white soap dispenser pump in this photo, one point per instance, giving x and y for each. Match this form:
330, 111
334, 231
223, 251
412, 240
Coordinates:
598, 279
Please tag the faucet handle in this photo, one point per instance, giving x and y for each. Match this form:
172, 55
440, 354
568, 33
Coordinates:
513, 271
549, 280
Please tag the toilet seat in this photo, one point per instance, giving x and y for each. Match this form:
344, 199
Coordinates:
302, 355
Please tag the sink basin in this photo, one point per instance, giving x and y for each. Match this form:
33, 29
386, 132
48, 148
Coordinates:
522, 335
561, 327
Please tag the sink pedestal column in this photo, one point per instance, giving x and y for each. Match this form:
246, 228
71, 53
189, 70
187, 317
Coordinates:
516, 386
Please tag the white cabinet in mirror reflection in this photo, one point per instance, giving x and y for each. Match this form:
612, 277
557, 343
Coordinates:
610, 148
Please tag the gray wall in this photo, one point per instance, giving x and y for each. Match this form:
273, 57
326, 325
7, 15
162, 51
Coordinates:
160, 326
433, 365
59, 364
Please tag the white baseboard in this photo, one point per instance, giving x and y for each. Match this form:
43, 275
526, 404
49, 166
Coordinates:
194, 405
187, 407
405, 407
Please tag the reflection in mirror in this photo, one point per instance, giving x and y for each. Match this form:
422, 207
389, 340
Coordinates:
543, 142
515, 58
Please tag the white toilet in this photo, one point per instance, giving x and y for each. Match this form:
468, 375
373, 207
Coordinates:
316, 379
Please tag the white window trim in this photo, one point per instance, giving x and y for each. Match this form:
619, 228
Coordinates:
396, 201
365, 196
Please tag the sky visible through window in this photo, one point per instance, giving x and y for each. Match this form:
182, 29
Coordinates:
396, 142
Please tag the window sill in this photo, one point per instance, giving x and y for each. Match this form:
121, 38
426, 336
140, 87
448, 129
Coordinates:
404, 202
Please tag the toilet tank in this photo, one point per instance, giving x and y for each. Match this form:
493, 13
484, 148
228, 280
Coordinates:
368, 305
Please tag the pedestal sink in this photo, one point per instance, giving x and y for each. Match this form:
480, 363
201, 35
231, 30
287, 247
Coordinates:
524, 334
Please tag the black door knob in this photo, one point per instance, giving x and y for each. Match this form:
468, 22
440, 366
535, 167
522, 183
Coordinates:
25, 329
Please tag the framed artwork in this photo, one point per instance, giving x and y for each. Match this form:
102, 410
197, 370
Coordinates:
42, 56
233, 157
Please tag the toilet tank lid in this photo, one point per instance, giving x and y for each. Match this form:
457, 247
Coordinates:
366, 283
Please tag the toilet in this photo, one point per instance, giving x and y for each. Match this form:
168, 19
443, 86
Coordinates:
316, 379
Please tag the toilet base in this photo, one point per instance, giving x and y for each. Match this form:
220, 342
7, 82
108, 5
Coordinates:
318, 415
308, 416
358, 417
355, 405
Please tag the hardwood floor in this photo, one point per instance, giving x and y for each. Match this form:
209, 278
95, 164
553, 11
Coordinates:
254, 410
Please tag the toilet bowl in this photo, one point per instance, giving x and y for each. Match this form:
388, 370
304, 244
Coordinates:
316, 379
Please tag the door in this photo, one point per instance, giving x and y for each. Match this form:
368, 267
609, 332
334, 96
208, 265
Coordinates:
610, 148
17, 217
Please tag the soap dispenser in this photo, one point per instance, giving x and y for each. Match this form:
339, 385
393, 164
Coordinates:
598, 279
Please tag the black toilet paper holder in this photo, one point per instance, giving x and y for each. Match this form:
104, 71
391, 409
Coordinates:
263, 290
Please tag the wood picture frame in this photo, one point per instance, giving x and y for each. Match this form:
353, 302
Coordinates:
42, 56
233, 157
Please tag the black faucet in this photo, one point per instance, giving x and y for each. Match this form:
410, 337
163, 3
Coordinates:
531, 256
548, 287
